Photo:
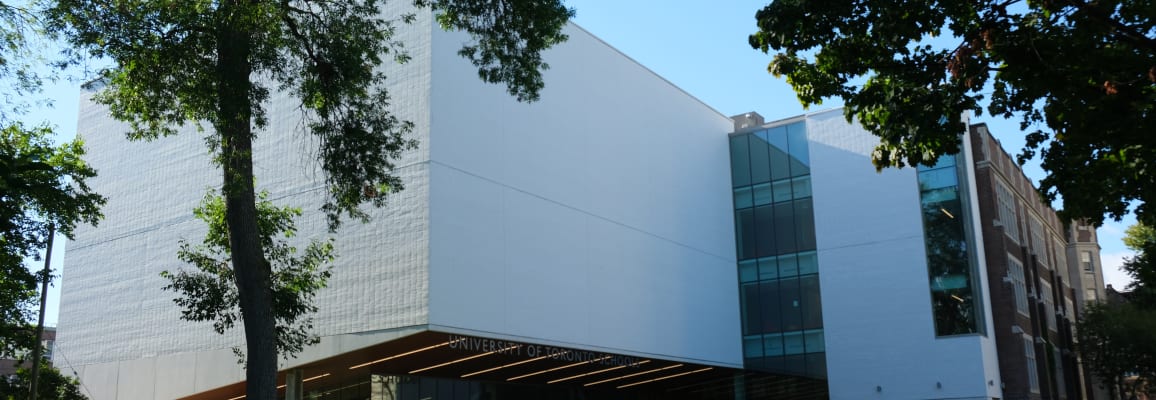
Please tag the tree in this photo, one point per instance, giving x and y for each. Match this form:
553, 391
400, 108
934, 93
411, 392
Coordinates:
18, 57
1080, 76
1115, 339
1116, 336
52, 385
1142, 265
208, 293
41, 185
187, 61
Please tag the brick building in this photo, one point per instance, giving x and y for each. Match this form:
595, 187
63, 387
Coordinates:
48, 340
1041, 270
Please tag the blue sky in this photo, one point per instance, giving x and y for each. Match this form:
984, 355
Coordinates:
697, 45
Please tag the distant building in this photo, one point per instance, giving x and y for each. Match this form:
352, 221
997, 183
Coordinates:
47, 339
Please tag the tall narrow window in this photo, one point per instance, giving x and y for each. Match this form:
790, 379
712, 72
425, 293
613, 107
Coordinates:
947, 239
1061, 381
1049, 305
1086, 261
1039, 248
1016, 271
1007, 211
776, 248
1061, 254
1030, 354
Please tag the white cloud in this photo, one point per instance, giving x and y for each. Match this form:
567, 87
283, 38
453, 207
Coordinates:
1113, 274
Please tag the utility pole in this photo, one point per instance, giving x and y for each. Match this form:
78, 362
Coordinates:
40, 321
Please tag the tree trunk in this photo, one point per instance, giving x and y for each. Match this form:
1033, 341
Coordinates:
252, 271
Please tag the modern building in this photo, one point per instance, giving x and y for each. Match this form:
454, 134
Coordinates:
618, 239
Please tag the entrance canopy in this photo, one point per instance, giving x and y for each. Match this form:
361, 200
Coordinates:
478, 359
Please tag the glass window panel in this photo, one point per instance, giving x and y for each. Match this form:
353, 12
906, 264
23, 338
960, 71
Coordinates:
740, 161
748, 271
752, 309
939, 195
812, 305
408, 388
808, 263
427, 388
769, 304
802, 186
753, 346
814, 341
768, 268
773, 343
780, 159
943, 162
782, 189
743, 198
775, 364
462, 390
805, 224
760, 162
788, 265
745, 230
799, 150
793, 343
948, 265
817, 365
765, 232
762, 194
445, 389
937, 178
791, 304
784, 227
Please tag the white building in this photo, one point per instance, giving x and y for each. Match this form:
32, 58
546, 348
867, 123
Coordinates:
583, 245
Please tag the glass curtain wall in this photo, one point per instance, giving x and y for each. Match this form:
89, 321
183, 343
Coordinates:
950, 266
778, 266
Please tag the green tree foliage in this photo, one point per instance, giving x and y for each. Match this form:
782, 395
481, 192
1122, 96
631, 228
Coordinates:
208, 293
1115, 339
188, 61
1080, 76
1117, 336
51, 385
40, 185
19, 57
1142, 265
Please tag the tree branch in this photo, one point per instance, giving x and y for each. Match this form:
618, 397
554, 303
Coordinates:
1127, 32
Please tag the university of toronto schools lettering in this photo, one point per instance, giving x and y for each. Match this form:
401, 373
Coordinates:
516, 349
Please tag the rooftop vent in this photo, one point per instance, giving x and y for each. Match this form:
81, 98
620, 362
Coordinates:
748, 120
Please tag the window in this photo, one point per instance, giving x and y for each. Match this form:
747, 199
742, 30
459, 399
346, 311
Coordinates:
1030, 353
946, 238
1049, 305
1015, 271
1058, 362
1069, 312
49, 345
1090, 295
1007, 211
1086, 261
1061, 254
1039, 248
778, 269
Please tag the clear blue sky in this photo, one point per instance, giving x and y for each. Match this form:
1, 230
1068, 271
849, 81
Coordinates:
699, 46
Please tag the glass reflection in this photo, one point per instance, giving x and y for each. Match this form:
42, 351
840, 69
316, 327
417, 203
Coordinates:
950, 276
778, 264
